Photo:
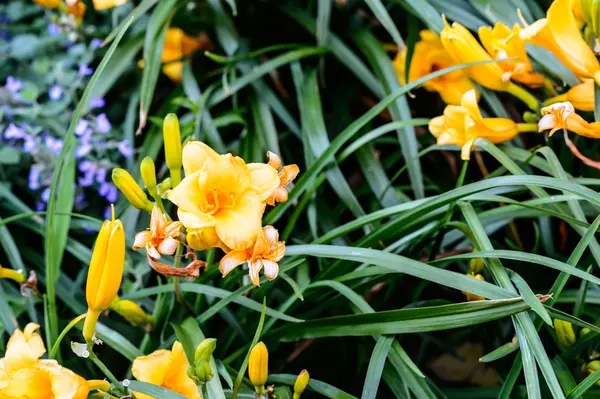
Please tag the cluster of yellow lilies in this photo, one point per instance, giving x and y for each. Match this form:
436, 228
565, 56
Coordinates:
503, 65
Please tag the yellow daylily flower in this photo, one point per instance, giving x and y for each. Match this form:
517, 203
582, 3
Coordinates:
266, 252
224, 193
160, 238
474, 297
430, 56
258, 366
167, 369
502, 43
104, 4
286, 174
559, 34
562, 116
581, 96
105, 272
24, 375
48, 3
178, 45
461, 125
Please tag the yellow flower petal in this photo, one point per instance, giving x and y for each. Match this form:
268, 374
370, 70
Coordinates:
232, 260
152, 368
263, 179
176, 377
195, 153
238, 227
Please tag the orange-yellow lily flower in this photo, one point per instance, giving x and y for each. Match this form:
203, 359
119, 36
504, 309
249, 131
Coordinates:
167, 369
559, 34
286, 174
178, 45
580, 96
104, 4
48, 3
24, 375
464, 48
562, 116
474, 297
430, 56
161, 238
224, 193
267, 251
502, 43
461, 125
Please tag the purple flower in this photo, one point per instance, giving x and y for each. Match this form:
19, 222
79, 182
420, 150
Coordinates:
125, 148
81, 127
102, 124
14, 132
97, 102
30, 144
101, 175
86, 165
109, 191
34, 178
53, 30
80, 201
54, 145
46, 195
40, 206
96, 43
84, 70
13, 85
108, 213
55, 93
87, 179
82, 150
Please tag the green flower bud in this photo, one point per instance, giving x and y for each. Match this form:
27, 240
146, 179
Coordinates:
205, 349
564, 332
148, 172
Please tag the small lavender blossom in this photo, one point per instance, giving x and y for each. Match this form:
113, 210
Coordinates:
80, 201
40, 206
87, 179
101, 175
54, 145
53, 30
84, 70
30, 144
108, 213
82, 150
13, 85
34, 178
125, 148
14, 132
46, 195
55, 93
86, 165
81, 127
102, 124
96, 43
97, 102
113, 194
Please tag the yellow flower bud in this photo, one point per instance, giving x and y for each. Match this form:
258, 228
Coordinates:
581, 96
48, 3
301, 383
131, 311
593, 366
148, 172
259, 365
105, 272
173, 154
564, 332
476, 265
131, 190
205, 349
584, 331
11, 274
474, 297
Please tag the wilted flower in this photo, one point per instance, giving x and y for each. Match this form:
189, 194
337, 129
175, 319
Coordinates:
429, 56
161, 238
286, 175
562, 116
266, 252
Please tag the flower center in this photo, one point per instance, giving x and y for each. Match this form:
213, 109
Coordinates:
217, 200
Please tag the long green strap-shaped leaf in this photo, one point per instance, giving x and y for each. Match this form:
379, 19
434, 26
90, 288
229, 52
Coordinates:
378, 358
61, 198
523, 324
154, 390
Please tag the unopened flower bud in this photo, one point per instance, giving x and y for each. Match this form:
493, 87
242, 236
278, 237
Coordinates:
148, 172
131, 312
476, 265
258, 367
11, 274
564, 332
205, 349
301, 383
164, 186
172, 141
105, 272
584, 331
203, 372
131, 190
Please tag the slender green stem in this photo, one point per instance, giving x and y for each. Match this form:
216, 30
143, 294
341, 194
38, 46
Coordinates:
204, 392
176, 288
105, 369
63, 333
524, 96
